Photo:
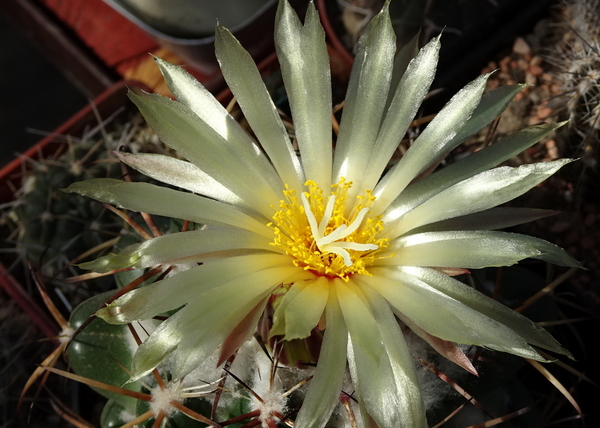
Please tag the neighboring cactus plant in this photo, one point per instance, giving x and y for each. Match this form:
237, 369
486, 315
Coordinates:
49, 228
52, 227
577, 71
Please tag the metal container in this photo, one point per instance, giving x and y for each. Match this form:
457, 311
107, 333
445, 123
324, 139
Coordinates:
186, 27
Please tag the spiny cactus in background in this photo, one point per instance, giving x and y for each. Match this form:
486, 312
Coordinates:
586, 20
51, 228
577, 60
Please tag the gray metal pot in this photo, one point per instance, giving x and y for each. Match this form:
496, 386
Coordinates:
186, 27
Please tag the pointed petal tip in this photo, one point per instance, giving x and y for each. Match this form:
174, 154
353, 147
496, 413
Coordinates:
284, 5
569, 355
384, 13
551, 359
105, 315
73, 187
163, 65
562, 351
548, 213
546, 127
134, 377
121, 155
557, 349
136, 94
518, 86
219, 29
574, 263
220, 32
487, 75
435, 43
566, 161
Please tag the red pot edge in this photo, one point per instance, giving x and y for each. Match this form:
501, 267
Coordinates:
107, 100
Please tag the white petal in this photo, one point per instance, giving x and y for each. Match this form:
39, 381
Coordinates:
391, 392
530, 331
404, 56
303, 313
304, 61
162, 342
198, 328
465, 249
371, 371
190, 92
247, 86
431, 145
171, 293
442, 316
214, 314
472, 250
358, 318
175, 172
170, 248
279, 318
325, 387
180, 128
480, 161
408, 97
375, 386
491, 105
485, 190
147, 198
365, 101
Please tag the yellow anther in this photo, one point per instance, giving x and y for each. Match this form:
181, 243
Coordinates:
321, 238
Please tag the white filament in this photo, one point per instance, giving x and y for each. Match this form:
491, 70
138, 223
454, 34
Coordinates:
331, 243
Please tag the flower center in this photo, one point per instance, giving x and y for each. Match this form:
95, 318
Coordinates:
321, 237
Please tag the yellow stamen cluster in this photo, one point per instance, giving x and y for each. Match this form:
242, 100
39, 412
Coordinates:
321, 237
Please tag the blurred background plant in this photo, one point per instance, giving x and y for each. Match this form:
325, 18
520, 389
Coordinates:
576, 61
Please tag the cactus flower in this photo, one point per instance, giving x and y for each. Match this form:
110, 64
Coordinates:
353, 246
